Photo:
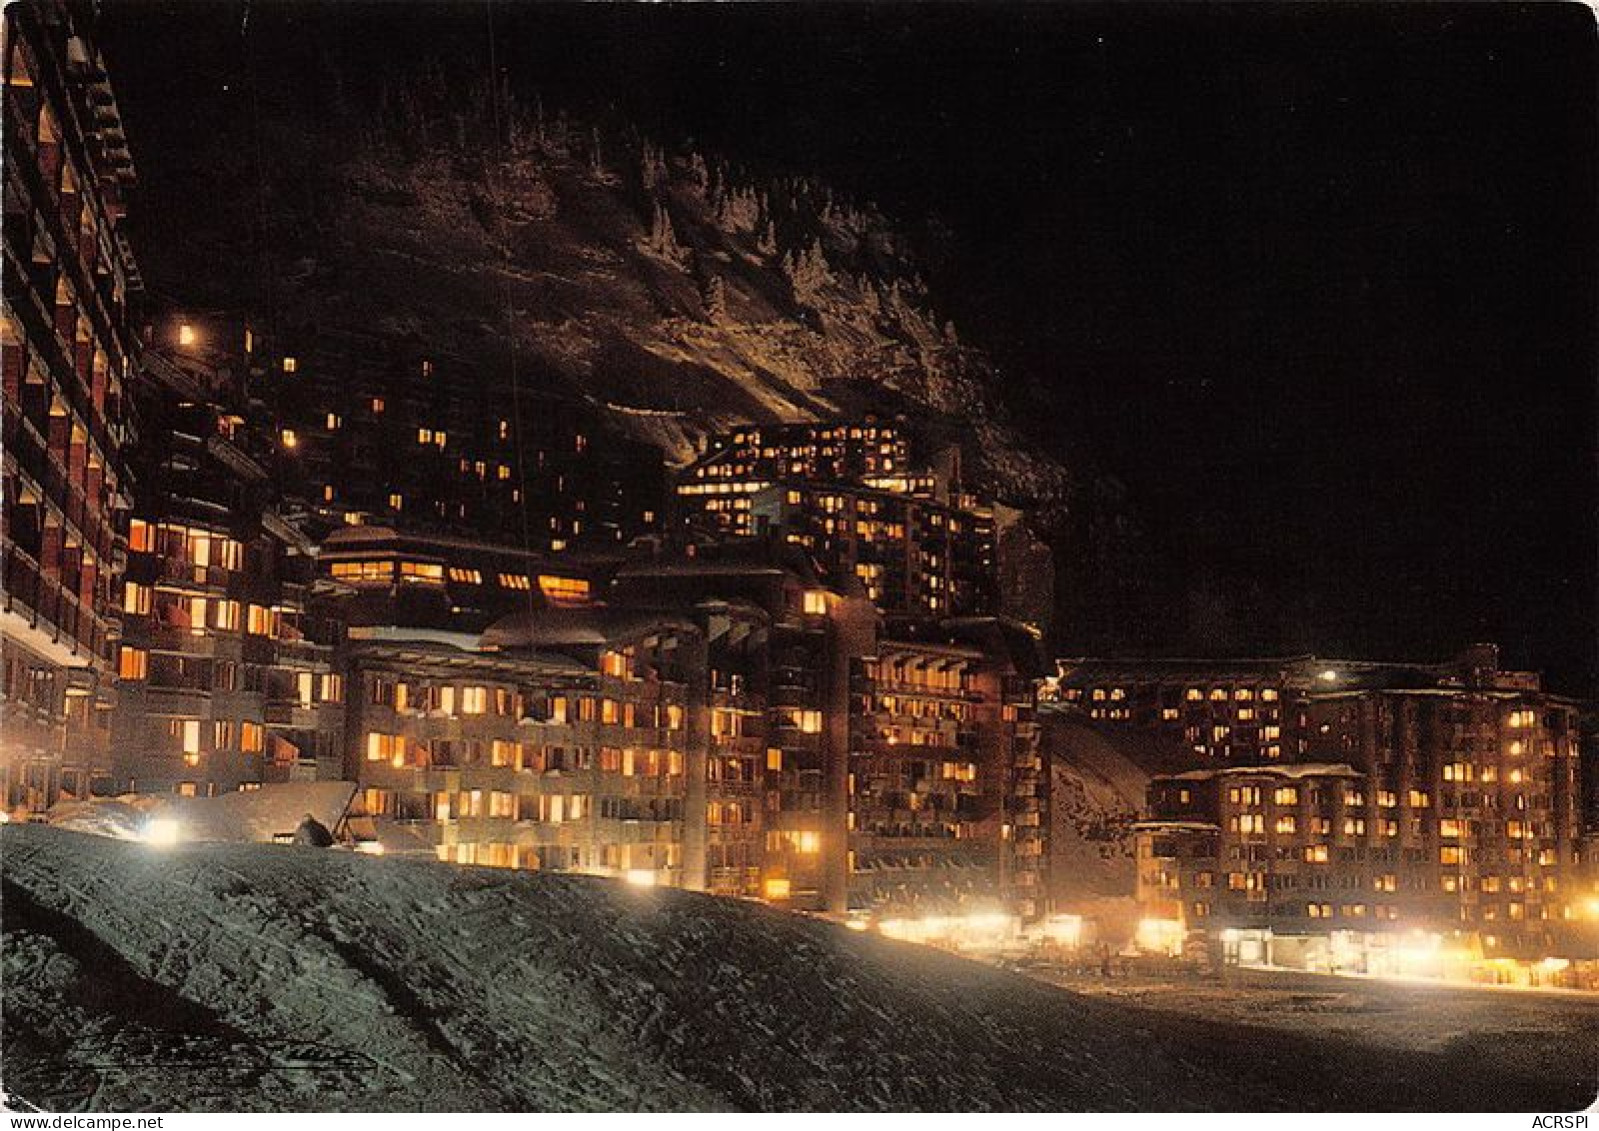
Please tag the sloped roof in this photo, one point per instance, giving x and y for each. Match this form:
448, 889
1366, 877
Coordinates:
1291, 770
585, 625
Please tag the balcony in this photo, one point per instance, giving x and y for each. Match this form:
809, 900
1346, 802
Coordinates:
290, 714
178, 572
52, 610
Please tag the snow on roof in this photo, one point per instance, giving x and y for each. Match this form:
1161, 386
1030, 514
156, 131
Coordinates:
358, 536
1292, 770
390, 633
1157, 825
581, 625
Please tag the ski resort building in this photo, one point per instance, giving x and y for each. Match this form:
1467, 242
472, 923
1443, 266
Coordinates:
1442, 800
68, 352
1224, 711
388, 430
380, 575
224, 682
562, 742
791, 645
948, 802
901, 776
851, 494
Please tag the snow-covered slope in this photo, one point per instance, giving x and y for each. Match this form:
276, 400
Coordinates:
262, 977
1096, 794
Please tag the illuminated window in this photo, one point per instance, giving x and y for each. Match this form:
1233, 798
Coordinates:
262, 621
1286, 825
191, 736
377, 406
474, 700
562, 590
502, 753
396, 501
422, 573
332, 688
290, 365
333, 421
290, 440
804, 721
133, 663
136, 599
229, 615
515, 581
466, 576
363, 572
815, 603
140, 538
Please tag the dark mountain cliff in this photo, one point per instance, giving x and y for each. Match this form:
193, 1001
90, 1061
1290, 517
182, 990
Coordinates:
678, 290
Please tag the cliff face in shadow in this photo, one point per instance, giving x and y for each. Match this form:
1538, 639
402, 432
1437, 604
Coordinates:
674, 288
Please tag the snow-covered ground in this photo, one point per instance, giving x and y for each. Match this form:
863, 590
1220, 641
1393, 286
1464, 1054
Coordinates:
264, 977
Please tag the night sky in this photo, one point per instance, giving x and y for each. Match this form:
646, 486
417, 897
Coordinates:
1316, 283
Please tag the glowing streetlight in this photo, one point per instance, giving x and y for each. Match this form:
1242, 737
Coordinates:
161, 832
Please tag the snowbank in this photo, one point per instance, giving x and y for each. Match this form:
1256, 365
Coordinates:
238, 976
